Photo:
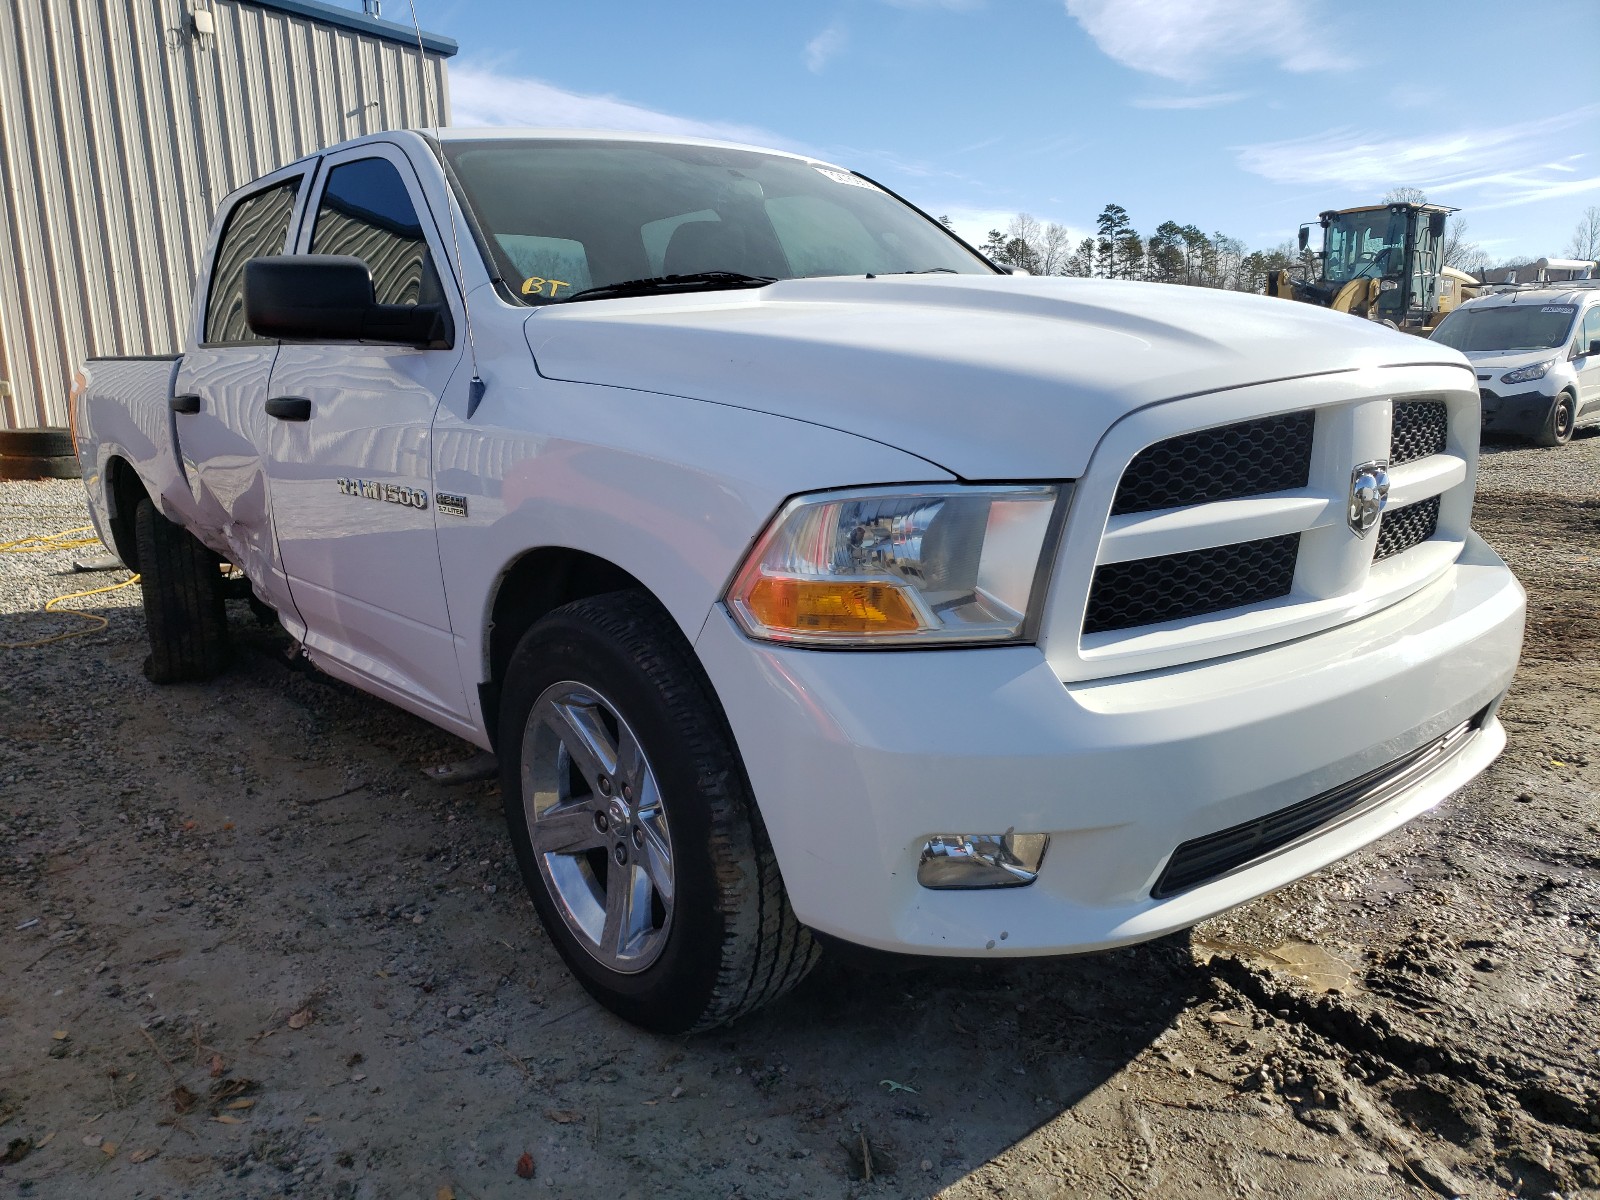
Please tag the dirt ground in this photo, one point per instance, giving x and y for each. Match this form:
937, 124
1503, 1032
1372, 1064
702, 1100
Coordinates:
248, 950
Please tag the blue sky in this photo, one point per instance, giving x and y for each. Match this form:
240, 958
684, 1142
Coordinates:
1242, 116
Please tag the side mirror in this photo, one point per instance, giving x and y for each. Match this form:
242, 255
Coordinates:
1436, 224
1305, 237
328, 298
1008, 269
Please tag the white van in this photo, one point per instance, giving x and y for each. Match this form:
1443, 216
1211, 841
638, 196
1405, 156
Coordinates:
1537, 355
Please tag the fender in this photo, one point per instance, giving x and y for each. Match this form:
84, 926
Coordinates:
656, 499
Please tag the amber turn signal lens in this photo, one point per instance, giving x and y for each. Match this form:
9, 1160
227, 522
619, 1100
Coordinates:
824, 606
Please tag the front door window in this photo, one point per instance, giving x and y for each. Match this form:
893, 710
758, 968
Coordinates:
366, 211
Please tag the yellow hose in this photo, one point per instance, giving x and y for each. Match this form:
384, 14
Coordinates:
50, 541
65, 540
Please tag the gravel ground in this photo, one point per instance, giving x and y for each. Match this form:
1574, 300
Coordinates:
249, 951
1570, 470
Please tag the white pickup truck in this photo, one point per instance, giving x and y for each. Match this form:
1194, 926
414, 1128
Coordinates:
809, 576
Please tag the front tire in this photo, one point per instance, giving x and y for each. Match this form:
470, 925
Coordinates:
184, 614
633, 823
1558, 426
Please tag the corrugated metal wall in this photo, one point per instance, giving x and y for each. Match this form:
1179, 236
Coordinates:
121, 129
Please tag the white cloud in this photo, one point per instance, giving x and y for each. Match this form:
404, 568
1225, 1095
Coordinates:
1520, 190
1214, 100
1188, 40
823, 47
484, 96
1505, 164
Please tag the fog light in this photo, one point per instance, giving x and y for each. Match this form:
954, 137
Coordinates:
981, 860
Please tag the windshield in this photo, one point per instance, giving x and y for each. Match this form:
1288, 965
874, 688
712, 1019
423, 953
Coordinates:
563, 216
1508, 327
1363, 245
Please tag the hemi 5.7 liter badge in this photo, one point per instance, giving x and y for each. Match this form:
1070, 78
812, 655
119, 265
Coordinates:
456, 506
390, 493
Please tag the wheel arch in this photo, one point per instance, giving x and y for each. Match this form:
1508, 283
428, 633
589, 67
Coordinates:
123, 491
537, 582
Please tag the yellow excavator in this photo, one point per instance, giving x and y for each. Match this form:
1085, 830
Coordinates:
1382, 262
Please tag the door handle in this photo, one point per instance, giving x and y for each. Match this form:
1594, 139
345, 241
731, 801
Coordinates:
184, 404
289, 408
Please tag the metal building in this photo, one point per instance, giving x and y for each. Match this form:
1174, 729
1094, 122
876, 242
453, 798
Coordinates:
124, 122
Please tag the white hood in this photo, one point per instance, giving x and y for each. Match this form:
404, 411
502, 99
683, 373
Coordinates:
989, 377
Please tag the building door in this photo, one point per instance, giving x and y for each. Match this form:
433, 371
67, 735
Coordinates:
352, 482
221, 387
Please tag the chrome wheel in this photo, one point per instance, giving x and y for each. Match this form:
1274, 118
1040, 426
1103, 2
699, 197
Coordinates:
599, 834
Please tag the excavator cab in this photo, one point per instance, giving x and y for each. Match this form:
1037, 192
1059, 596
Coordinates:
1382, 262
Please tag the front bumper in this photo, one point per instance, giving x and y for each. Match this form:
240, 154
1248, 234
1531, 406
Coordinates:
1522, 414
857, 758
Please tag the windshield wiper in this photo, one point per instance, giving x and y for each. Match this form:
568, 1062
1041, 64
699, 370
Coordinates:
924, 271
697, 281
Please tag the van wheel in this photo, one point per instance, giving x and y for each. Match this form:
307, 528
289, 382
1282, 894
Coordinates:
1559, 424
633, 823
183, 600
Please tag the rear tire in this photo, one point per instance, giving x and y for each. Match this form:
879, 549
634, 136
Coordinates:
183, 600
1558, 426
614, 676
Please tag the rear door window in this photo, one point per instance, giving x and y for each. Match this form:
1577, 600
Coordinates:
257, 226
366, 211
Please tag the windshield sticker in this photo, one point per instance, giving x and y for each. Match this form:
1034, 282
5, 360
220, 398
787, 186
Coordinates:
1560, 308
845, 177
534, 285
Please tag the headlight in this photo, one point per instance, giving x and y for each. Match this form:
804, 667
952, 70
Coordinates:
1389, 285
938, 565
1528, 373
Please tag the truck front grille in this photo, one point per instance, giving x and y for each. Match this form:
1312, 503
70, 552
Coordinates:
1403, 528
1419, 430
1250, 458
1203, 859
1174, 586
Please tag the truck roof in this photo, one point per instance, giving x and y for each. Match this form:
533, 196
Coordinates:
509, 133
505, 133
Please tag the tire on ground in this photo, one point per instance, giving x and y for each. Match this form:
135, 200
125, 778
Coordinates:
33, 466
1558, 424
183, 600
733, 942
52, 442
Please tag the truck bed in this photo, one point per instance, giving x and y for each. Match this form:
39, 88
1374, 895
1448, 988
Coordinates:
122, 412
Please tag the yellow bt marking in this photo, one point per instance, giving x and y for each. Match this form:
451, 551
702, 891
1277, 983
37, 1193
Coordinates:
534, 286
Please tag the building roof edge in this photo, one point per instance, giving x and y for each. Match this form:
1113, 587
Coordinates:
332, 14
